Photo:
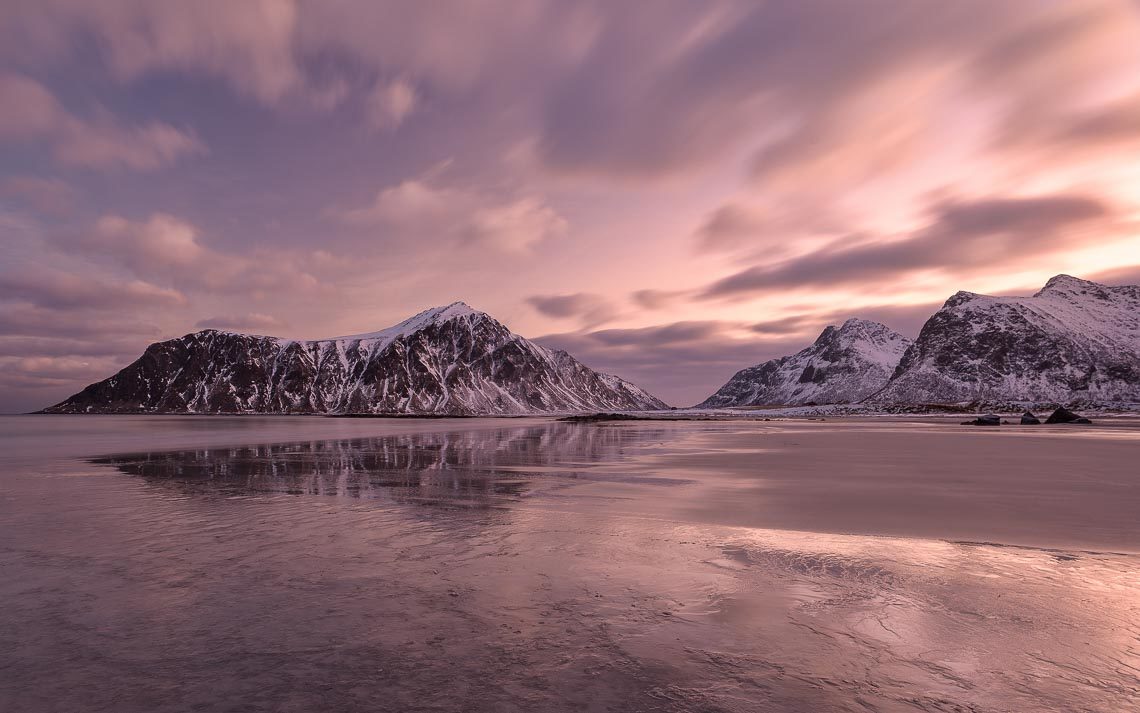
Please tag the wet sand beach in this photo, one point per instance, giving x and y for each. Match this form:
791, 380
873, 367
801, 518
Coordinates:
298, 564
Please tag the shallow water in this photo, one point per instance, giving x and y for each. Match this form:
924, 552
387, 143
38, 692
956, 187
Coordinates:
299, 564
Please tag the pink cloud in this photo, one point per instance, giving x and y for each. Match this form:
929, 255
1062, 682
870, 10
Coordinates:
48, 196
417, 208
656, 299
390, 103
248, 43
32, 112
143, 148
797, 145
961, 235
589, 309
58, 289
167, 249
160, 242
247, 321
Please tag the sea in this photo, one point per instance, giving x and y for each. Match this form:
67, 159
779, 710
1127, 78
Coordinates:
278, 563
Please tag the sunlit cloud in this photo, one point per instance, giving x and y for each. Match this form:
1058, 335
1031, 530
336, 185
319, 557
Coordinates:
31, 112
56, 289
961, 234
589, 309
249, 44
49, 196
391, 103
670, 192
167, 248
416, 211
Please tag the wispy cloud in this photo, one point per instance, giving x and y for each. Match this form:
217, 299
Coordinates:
960, 234
616, 173
417, 211
589, 309
32, 112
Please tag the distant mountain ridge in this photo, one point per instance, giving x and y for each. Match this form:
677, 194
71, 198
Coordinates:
445, 360
1074, 341
845, 364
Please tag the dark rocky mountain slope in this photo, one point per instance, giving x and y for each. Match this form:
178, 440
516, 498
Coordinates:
1073, 341
446, 360
844, 365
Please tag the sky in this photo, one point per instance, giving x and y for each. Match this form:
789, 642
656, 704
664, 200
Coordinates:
671, 191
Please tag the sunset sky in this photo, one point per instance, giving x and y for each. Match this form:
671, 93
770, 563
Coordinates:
671, 191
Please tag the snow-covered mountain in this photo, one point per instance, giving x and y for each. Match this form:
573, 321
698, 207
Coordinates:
445, 360
844, 365
1073, 341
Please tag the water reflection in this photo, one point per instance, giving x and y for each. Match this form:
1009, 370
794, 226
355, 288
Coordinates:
550, 572
481, 468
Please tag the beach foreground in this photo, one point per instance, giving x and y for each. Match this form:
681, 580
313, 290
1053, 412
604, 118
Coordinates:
298, 564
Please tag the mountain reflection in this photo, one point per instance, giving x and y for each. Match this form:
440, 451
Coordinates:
476, 468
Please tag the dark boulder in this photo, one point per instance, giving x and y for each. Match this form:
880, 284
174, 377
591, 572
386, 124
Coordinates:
987, 420
1064, 415
601, 417
1028, 419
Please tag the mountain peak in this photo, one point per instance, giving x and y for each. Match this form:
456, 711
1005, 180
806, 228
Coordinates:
433, 315
853, 328
960, 297
1067, 283
858, 324
857, 331
844, 365
454, 309
444, 313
